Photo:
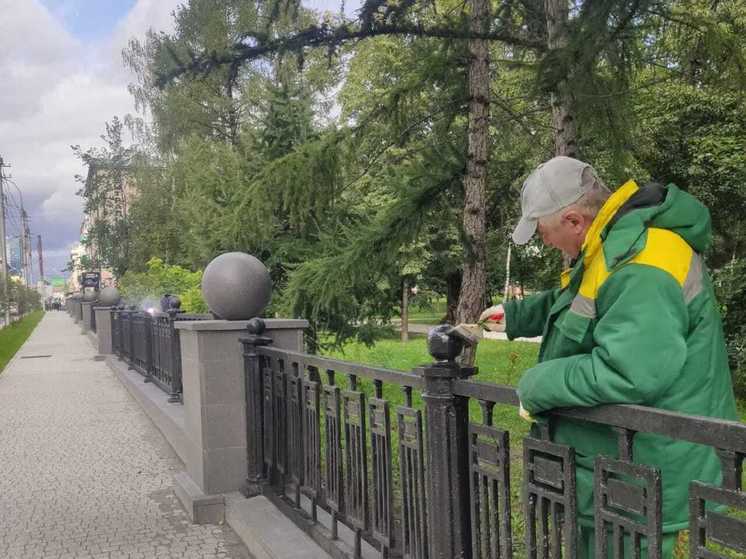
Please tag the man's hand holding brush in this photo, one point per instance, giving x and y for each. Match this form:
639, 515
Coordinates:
493, 319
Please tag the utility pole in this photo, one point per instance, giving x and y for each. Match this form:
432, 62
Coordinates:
3, 248
22, 242
26, 248
41, 257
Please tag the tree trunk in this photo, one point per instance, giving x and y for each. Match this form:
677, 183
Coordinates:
563, 114
474, 279
405, 310
453, 291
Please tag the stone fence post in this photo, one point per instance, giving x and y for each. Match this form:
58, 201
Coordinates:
103, 329
86, 314
214, 392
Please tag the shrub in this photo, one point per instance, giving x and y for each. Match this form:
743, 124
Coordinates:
161, 278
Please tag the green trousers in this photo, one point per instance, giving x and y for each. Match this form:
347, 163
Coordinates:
587, 545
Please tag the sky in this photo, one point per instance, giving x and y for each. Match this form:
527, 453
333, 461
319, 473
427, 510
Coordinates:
61, 79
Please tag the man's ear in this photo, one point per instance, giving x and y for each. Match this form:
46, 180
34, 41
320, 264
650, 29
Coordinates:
575, 219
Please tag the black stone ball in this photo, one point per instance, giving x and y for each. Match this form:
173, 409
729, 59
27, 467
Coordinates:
442, 346
256, 326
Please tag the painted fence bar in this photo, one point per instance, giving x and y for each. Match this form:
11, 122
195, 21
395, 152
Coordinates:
424, 481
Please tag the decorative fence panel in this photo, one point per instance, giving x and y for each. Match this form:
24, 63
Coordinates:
126, 335
150, 344
141, 357
355, 442
166, 369
116, 332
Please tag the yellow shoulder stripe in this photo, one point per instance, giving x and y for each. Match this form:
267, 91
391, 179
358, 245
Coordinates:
664, 250
667, 251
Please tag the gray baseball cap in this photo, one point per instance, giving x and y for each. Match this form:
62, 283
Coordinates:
553, 185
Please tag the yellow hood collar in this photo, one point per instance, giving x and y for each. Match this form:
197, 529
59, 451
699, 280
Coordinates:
593, 241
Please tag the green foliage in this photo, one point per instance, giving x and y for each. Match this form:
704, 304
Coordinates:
156, 221
106, 190
20, 299
730, 286
192, 300
12, 337
342, 168
160, 278
695, 136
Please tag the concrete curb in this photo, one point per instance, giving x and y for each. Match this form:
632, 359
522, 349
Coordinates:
267, 533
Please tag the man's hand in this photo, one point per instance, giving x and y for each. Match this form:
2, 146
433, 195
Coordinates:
493, 319
524, 414
470, 333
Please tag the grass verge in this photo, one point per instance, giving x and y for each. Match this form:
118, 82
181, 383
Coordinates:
13, 336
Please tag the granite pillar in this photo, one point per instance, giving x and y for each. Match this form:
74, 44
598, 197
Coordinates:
86, 312
215, 403
103, 329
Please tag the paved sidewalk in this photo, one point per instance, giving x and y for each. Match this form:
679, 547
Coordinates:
83, 471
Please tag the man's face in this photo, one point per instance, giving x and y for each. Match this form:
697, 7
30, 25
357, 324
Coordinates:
564, 232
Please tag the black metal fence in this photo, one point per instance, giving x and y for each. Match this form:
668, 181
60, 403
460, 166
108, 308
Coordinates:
166, 348
150, 345
116, 332
351, 443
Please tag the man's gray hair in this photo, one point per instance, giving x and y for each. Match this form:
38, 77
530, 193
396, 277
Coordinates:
594, 197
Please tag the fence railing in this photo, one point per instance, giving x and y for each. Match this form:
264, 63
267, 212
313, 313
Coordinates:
116, 332
150, 345
395, 458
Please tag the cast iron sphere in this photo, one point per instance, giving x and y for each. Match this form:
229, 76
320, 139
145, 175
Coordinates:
236, 286
442, 346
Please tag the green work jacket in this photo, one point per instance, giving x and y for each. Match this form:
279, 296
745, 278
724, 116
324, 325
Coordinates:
636, 322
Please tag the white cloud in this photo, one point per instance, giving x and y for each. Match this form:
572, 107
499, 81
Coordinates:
57, 91
146, 14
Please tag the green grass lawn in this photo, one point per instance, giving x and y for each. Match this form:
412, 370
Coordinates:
12, 337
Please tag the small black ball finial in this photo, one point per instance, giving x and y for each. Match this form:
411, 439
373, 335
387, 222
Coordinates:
256, 326
442, 346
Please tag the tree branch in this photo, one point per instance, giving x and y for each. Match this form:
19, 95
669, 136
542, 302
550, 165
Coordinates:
325, 35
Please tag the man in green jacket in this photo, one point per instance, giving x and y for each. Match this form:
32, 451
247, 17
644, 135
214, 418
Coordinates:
634, 321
